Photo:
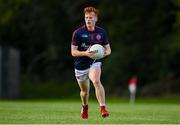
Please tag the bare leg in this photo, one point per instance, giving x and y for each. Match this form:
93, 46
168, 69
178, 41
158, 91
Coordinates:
94, 75
84, 93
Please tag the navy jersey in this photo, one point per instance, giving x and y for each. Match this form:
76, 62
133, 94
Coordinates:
83, 39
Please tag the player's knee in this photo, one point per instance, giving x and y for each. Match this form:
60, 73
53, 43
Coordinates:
84, 93
96, 81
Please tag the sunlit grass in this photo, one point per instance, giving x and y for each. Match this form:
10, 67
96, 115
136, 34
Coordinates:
67, 111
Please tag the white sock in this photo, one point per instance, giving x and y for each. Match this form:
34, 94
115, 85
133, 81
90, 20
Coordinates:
85, 104
102, 104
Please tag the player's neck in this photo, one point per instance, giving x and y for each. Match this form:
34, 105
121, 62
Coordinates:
91, 29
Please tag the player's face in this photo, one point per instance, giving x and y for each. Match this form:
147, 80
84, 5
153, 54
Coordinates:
90, 19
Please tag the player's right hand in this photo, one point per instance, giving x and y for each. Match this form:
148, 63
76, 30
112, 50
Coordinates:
89, 53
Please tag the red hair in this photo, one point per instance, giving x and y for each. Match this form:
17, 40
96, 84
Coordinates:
91, 9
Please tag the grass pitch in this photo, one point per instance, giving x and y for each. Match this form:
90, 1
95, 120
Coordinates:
68, 112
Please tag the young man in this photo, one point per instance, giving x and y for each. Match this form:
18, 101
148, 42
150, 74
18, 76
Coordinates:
87, 69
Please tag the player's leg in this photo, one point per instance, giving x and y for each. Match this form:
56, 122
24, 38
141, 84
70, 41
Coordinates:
84, 94
84, 84
84, 91
94, 75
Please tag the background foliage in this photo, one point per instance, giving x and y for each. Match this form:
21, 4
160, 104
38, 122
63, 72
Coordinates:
144, 36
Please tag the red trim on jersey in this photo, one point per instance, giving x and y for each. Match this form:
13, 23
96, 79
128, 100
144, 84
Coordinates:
72, 39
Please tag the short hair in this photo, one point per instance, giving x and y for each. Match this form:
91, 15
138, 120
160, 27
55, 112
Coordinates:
91, 9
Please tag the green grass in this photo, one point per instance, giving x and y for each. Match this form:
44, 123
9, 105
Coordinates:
67, 111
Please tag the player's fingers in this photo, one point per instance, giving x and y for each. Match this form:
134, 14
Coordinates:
89, 48
91, 51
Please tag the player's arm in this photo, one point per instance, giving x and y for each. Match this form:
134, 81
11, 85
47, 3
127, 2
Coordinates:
107, 50
75, 52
